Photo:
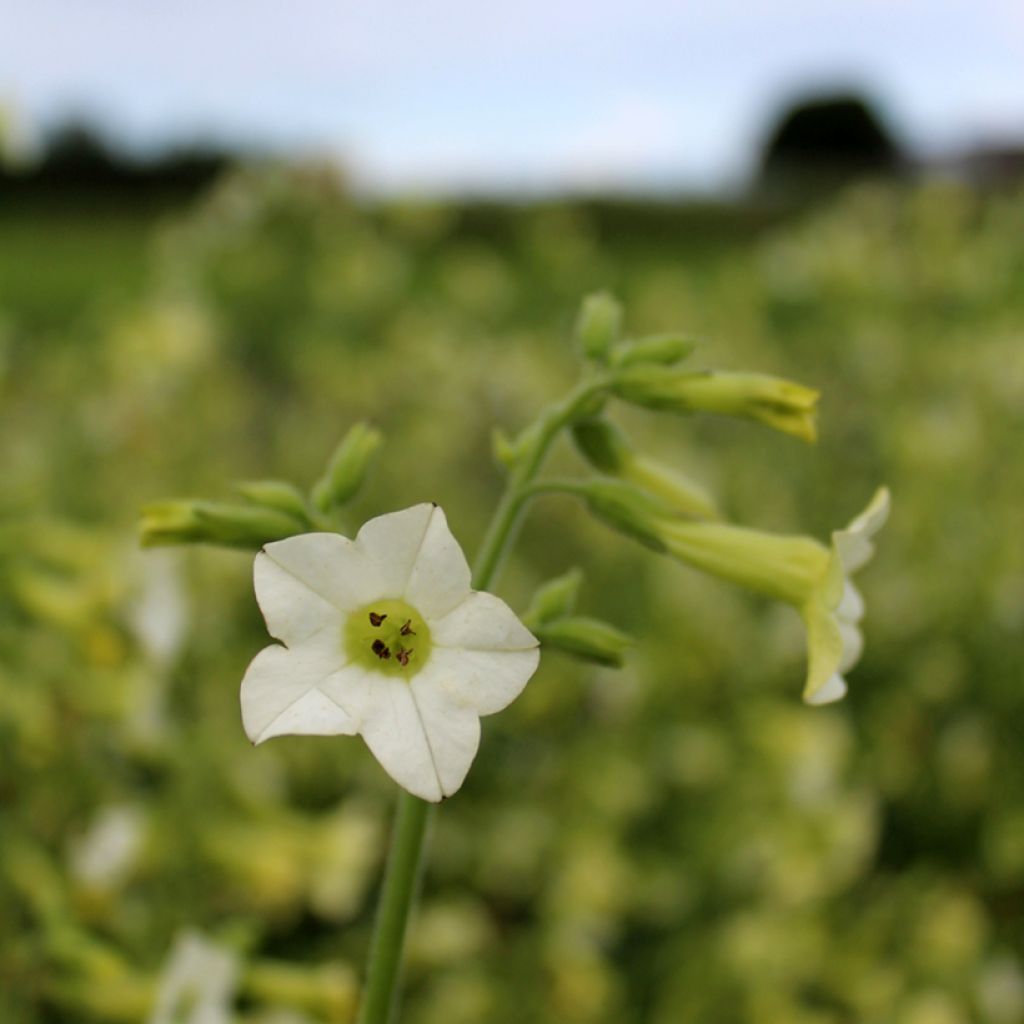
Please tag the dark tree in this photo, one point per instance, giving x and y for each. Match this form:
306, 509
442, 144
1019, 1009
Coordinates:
828, 140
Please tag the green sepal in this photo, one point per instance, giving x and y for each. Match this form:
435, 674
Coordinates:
209, 522
554, 599
588, 639
277, 494
603, 445
627, 509
660, 349
347, 468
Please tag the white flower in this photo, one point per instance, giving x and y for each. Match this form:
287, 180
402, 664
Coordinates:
384, 638
813, 578
197, 984
836, 607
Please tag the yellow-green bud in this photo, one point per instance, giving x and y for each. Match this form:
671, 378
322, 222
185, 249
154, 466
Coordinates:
554, 599
209, 522
598, 325
347, 468
589, 639
662, 349
279, 494
780, 404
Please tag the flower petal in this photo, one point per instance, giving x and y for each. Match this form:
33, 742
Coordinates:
392, 543
853, 545
281, 694
851, 604
439, 580
425, 747
833, 690
483, 681
306, 582
853, 645
824, 647
482, 622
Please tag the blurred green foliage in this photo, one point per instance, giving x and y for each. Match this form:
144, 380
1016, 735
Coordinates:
679, 840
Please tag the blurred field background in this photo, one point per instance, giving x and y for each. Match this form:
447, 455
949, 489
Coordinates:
681, 841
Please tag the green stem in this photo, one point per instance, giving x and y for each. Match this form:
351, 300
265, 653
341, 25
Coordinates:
413, 816
401, 884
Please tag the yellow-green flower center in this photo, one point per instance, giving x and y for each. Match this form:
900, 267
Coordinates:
388, 636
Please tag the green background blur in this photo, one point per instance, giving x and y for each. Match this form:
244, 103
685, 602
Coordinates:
680, 841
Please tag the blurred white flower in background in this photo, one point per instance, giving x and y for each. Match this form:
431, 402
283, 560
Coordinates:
197, 984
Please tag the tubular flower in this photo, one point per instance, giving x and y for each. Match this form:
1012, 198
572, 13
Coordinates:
801, 571
383, 637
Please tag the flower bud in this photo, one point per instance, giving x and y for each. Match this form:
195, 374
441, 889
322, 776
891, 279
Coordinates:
598, 325
588, 639
278, 494
780, 404
347, 468
662, 349
607, 449
554, 599
209, 522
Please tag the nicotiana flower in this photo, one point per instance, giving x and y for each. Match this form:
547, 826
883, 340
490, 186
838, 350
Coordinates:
383, 637
814, 578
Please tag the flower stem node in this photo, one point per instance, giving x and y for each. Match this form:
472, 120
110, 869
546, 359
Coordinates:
382, 636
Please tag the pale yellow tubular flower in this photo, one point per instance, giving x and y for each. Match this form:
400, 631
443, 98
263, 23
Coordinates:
800, 571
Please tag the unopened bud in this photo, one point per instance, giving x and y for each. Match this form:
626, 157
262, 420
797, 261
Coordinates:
277, 494
661, 349
598, 325
589, 639
208, 522
554, 599
780, 404
347, 468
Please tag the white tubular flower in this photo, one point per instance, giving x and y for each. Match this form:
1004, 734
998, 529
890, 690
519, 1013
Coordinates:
384, 638
801, 571
834, 610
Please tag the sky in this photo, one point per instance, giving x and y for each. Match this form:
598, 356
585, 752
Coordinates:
534, 95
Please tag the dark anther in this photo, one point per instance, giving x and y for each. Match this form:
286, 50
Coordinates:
403, 657
380, 649
407, 629
376, 620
